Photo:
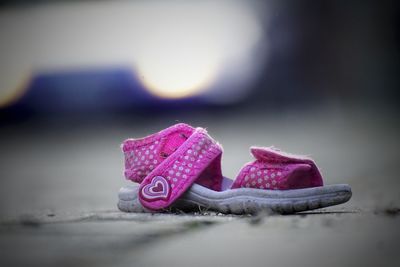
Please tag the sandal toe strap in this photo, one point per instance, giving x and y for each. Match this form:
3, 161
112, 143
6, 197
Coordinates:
274, 169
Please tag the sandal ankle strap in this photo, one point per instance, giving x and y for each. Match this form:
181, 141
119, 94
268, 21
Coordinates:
181, 160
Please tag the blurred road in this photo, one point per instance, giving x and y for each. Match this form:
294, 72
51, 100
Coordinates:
59, 183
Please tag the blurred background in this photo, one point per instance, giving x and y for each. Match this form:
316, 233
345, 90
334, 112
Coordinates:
319, 78
79, 77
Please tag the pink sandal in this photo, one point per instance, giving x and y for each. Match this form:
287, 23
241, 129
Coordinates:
180, 167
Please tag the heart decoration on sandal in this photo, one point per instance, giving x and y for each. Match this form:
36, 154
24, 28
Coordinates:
157, 189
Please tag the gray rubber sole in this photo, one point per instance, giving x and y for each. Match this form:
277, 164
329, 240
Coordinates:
246, 200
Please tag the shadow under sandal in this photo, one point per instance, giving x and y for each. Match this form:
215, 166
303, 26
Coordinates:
180, 167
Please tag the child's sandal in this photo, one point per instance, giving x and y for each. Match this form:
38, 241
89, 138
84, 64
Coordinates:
181, 167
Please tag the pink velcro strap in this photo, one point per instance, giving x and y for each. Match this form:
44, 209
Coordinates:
168, 181
199, 154
272, 154
275, 169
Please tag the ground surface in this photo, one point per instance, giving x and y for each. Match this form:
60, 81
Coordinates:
59, 185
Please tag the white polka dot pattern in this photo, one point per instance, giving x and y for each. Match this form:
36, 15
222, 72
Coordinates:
141, 161
187, 164
263, 177
182, 167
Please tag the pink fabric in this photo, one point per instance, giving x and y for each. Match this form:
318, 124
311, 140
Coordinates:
144, 154
167, 163
181, 156
277, 170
